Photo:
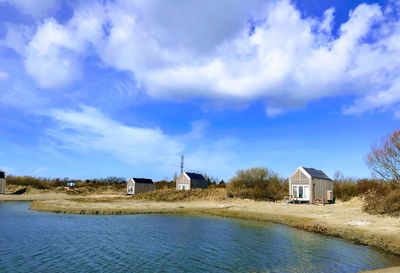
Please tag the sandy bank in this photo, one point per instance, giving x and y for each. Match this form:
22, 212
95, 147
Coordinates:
385, 270
344, 220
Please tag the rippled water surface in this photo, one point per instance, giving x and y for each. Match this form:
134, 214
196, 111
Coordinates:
44, 242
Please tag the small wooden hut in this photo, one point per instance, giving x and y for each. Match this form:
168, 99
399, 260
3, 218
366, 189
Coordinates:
309, 185
2, 182
187, 181
139, 185
71, 184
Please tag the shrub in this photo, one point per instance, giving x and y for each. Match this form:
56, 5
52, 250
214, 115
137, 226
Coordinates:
34, 182
256, 184
376, 202
163, 184
346, 189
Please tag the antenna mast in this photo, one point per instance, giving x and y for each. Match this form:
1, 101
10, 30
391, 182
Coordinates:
182, 161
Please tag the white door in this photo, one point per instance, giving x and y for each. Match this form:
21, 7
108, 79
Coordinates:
306, 195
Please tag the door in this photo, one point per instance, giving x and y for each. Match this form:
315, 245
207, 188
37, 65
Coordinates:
306, 194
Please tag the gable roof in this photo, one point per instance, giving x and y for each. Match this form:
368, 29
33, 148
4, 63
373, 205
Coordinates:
142, 180
314, 173
195, 176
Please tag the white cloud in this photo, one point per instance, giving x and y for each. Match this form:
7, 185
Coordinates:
207, 51
90, 130
36, 9
51, 56
17, 37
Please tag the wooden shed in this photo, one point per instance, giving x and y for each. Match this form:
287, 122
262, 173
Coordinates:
187, 181
139, 185
310, 185
2, 182
71, 184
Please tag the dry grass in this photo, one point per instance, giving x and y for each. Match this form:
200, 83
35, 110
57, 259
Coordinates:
177, 196
97, 188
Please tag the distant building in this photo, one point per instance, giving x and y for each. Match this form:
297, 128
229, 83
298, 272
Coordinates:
139, 185
71, 184
187, 181
2, 182
310, 185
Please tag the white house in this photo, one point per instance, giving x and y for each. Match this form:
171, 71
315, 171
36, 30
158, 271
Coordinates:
187, 181
310, 185
139, 185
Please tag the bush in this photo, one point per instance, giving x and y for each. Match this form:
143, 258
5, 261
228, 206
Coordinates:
257, 184
376, 202
37, 183
346, 189
163, 185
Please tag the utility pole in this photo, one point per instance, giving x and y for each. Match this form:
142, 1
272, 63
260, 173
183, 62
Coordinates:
182, 162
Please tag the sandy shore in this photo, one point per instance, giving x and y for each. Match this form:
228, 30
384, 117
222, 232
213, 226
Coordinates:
344, 220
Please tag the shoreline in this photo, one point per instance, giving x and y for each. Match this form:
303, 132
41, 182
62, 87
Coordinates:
341, 220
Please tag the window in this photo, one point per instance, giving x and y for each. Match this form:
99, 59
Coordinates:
300, 192
295, 191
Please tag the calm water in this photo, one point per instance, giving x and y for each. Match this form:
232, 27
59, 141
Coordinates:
44, 242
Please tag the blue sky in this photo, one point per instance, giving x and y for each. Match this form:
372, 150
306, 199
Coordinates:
123, 88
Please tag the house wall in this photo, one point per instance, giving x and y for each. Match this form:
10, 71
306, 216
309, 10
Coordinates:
199, 184
321, 188
299, 178
2, 186
182, 179
143, 187
138, 187
129, 185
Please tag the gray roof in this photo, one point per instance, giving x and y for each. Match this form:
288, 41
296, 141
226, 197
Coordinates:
2, 174
142, 180
314, 173
196, 176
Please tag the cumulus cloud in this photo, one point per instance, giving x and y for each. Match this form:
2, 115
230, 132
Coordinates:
89, 130
55, 53
51, 56
253, 50
36, 9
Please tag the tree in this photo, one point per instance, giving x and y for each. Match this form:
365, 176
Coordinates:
384, 159
338, 176
256, 183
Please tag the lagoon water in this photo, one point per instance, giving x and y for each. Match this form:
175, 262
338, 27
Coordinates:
44, 242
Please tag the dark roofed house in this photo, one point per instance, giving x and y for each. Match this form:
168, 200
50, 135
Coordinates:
189, 180
2, 182
139, 185
310, 185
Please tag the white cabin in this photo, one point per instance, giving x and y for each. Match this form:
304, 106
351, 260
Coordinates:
139, 185
309, 185
187, 181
